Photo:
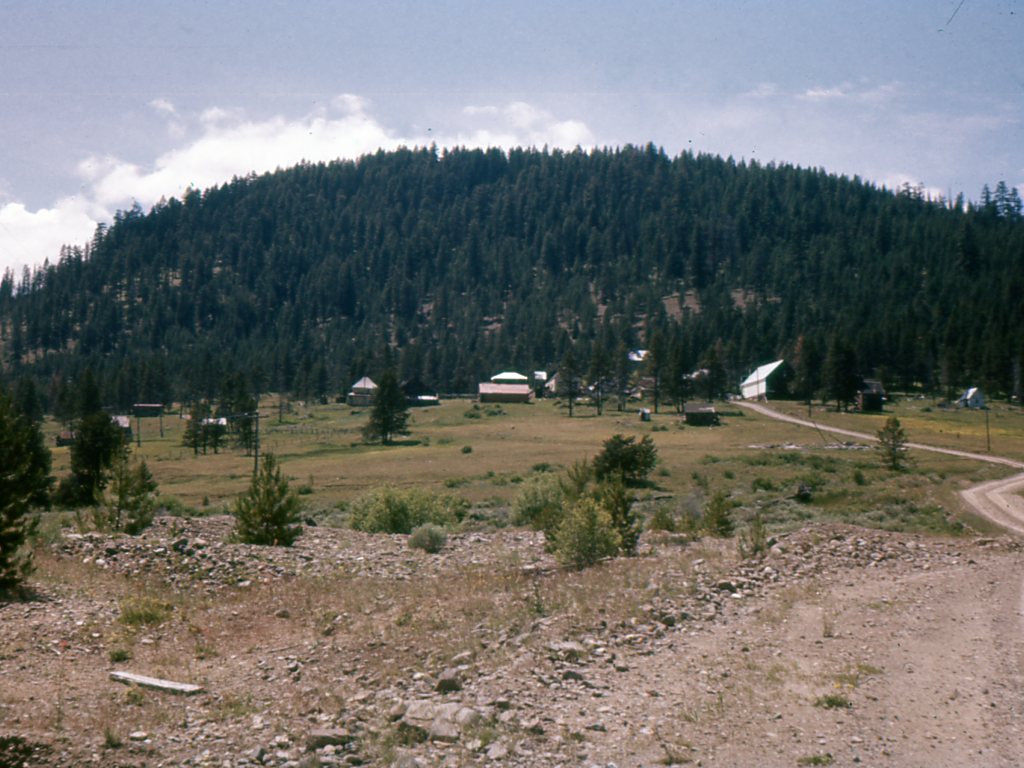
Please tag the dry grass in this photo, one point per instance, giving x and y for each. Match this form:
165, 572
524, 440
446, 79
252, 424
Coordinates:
321, 450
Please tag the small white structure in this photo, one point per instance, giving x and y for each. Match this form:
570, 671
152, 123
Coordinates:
509, 377
971, 398
362, 392
755, 386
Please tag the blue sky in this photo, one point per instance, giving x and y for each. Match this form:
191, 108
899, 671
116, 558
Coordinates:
104, 103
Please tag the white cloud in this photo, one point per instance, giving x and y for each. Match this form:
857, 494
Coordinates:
164, 106
230, 145
29, 237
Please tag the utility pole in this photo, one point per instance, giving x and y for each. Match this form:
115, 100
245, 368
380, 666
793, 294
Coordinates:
256, 445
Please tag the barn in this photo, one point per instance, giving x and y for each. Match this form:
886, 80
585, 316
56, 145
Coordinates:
758, 384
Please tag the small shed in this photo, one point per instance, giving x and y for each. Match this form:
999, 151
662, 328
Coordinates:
871, 396
362, 393
971, 398
65, 438
505, 393
700, 415
757, 385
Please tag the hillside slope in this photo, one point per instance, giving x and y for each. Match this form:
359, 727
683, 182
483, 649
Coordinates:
455, 264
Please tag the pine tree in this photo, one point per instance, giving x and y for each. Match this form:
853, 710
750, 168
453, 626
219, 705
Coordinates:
270, 513
892, 444
390, 412
569, 377
24, 483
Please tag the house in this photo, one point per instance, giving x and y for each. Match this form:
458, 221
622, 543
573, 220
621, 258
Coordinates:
505, 393
362, 393
757, 385
65, 438
124, 423
509, 377
540, 382
871, 396
700, 415
971, 398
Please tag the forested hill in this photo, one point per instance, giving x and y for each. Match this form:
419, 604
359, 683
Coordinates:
454, 265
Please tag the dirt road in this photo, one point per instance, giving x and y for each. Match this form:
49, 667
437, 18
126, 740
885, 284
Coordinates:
998, 500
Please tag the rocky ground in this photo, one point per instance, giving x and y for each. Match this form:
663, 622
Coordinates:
841, 646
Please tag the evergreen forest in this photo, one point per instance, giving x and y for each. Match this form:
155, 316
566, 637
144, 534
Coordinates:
451, 265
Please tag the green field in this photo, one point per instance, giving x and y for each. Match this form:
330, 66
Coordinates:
485, 453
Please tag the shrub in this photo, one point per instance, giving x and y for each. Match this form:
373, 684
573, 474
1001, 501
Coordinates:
662, 519
430, 538
626, 459
585, 535
467, 449
762, 484
390, 510
539, 505
270, 513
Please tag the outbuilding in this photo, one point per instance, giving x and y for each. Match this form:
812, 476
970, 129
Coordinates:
362, 392
505, 393
700, 415
971, 398
758, 385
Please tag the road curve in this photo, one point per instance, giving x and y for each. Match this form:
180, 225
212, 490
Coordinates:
998, 501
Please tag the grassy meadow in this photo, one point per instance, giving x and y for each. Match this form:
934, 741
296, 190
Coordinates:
485, 453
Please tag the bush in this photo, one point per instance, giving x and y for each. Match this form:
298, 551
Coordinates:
389, 510
539, 505
626, 459
270, 513
586, 535
429, 538
662, 520
467, 449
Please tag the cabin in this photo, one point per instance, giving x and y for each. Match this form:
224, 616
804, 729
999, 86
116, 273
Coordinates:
700, 415
758, 385
65, 438
971, 398
505, 393
871, 397
362, 393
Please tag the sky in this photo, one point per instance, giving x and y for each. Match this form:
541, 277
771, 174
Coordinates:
106, 103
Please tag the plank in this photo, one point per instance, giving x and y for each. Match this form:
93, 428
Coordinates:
155, 682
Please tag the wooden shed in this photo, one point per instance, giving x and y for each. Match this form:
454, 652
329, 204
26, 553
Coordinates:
700, 415
505, 393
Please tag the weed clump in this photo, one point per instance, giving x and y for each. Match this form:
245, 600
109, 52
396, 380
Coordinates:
143, 611
430, 538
